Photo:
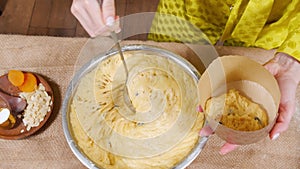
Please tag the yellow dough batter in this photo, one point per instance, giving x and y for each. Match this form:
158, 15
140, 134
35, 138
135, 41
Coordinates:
160, 134
239, 113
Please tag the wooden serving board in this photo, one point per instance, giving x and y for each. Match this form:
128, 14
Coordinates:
19, 130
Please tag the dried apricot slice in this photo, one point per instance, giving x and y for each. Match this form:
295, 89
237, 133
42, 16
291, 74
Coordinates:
30, 83
16, 77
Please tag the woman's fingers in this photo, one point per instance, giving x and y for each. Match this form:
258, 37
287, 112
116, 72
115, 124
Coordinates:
273, 68
108, 9
227, 147
199, 108
92, 16
206, 131
88, 14
286, 107
284, 68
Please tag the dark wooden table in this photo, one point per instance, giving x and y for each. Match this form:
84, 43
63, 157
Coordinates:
53, 17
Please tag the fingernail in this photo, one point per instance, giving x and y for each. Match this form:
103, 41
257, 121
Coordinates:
118, 30
275, 136
201, 133
222, 153
204, 133
110, 21
199, 108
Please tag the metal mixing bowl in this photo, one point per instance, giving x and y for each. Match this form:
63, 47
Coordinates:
92, 64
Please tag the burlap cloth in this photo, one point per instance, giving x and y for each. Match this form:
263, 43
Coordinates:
54, 58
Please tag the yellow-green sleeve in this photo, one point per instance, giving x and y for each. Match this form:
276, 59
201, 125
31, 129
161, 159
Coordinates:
208, 16
291, 45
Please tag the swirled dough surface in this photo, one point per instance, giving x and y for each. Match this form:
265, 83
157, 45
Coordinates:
159, 135
239, 112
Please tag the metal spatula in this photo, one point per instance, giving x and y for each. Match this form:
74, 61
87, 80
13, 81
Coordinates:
127, 99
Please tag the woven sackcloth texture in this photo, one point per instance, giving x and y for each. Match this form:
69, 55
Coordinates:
55, 59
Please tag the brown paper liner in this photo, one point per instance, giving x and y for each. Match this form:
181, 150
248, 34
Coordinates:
253, 81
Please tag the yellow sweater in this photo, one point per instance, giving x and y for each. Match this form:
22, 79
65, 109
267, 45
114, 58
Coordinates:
267, 24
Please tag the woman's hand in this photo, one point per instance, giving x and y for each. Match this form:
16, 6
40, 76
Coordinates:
96, 18
286, 70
